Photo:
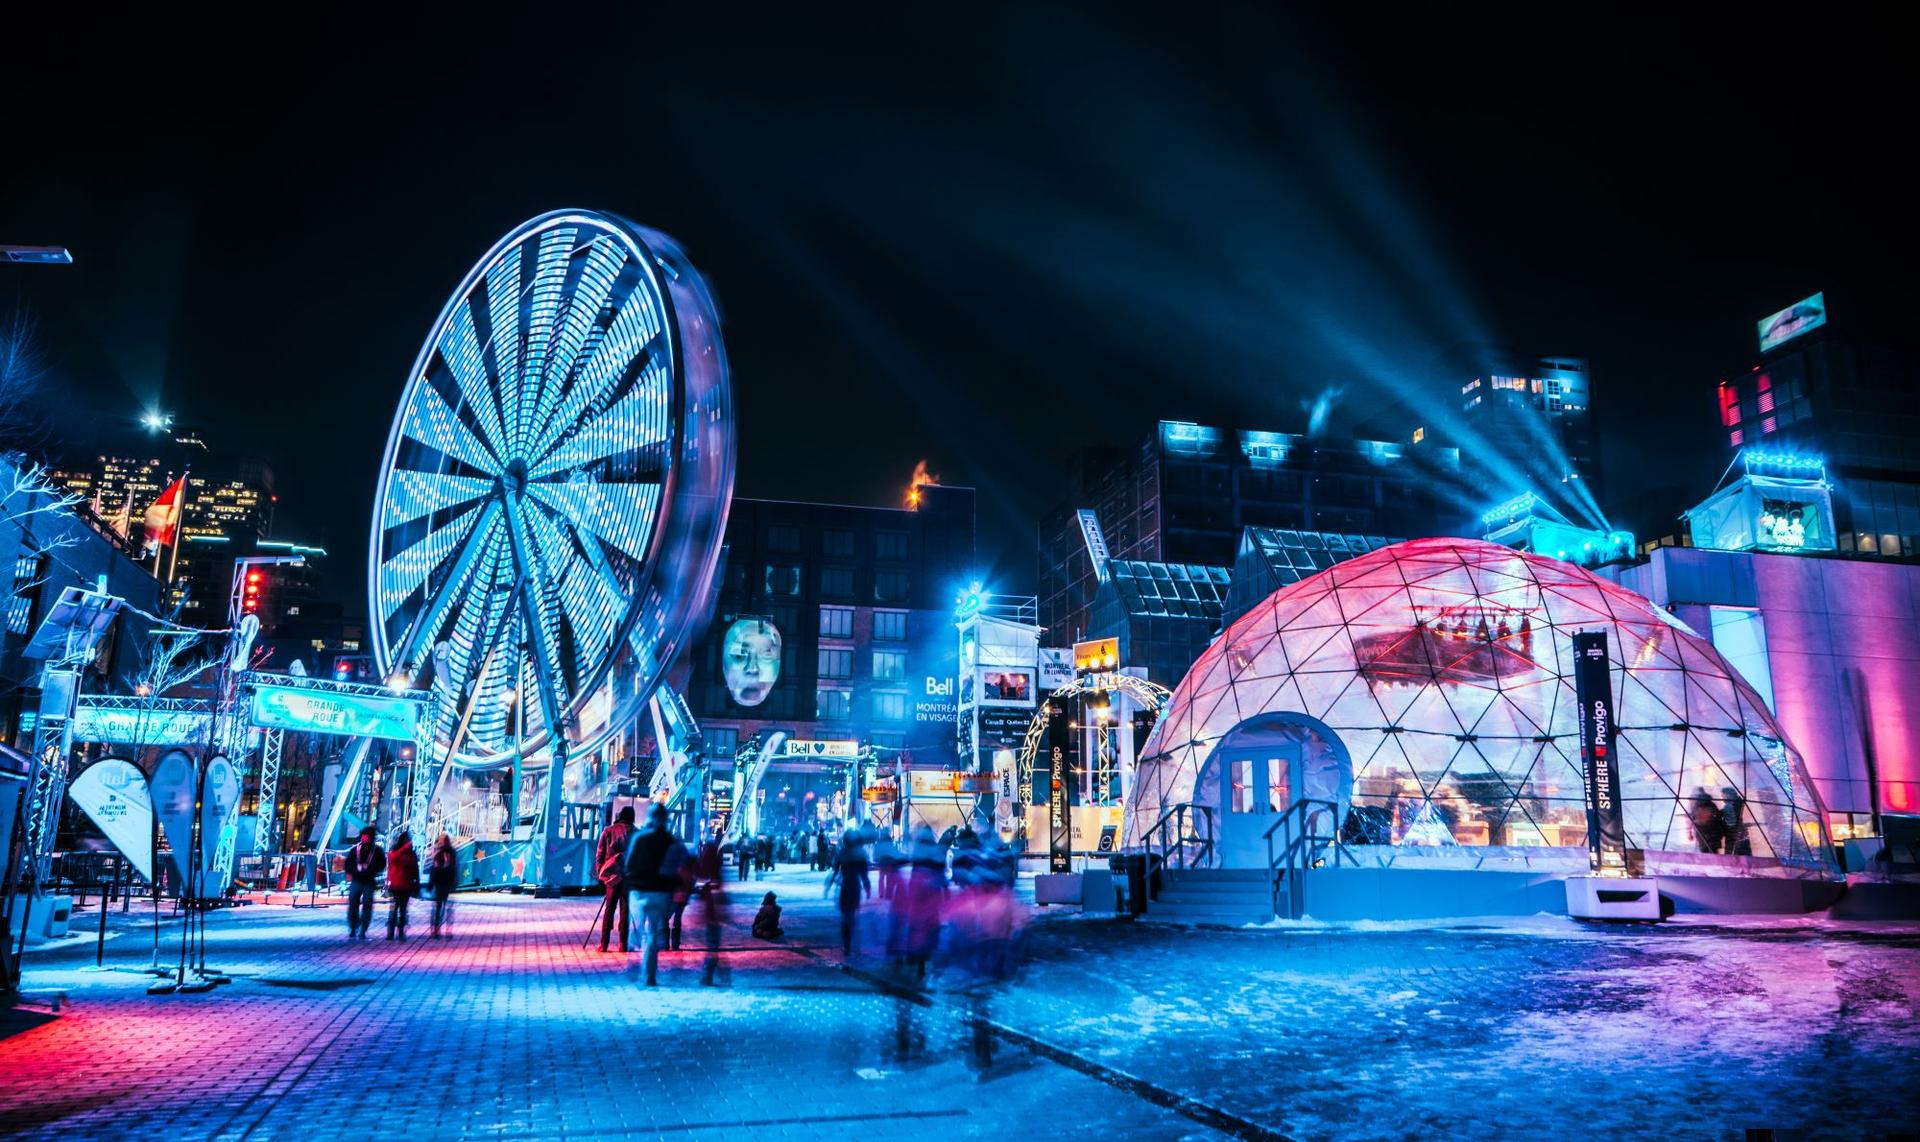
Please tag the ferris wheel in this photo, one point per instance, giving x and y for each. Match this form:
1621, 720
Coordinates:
554, 490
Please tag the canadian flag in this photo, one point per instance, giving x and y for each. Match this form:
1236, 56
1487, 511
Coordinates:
163, 518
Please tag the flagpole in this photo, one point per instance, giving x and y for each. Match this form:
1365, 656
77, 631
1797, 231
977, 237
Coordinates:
179, 524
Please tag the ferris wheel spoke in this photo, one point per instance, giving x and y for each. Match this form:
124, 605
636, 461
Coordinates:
429, 421
413, 494
545, 298
597, 279
538, 607
503, 337
460, 349
593, 616
620, 515
635, 422
407, 571
635, 334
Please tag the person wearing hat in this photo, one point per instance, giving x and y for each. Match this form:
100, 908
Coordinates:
363, 865
654, 863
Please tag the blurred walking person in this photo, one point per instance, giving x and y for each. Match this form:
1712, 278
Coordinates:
915, 928
363, 865
653, 864
850, 872
609, 857
403, 884
710, 867
443, 876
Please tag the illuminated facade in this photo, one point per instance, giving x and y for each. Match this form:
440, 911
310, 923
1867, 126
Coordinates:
1425, 692
1183, 496
1854, 406
1536, 412
835, 623
1831, 645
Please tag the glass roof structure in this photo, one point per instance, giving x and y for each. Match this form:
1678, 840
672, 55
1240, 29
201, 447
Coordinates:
1169, 590
1429, 687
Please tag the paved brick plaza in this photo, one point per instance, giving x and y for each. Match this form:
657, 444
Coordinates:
510, 1031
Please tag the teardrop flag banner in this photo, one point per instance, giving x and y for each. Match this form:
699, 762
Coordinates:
172, 791
113, 793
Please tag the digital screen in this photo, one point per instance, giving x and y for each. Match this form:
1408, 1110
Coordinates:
353, 715
1007, 686
750, 660
1801, 317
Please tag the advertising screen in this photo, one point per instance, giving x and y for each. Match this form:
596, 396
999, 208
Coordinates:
1802, 317
933, 674
1006, 687
750, 659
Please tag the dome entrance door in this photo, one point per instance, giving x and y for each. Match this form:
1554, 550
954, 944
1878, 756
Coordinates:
1258, 786
1257, 772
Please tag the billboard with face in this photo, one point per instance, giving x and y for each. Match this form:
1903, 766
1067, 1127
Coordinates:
750, 660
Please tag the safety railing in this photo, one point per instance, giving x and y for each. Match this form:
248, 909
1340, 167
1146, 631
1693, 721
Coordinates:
1182, 837
1306, 835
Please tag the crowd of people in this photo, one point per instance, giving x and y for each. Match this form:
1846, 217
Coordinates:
366, 866
925, 902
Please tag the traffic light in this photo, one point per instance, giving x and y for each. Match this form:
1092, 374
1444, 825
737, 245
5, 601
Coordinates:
250, 602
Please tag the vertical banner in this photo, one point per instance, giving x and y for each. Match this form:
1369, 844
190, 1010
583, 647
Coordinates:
173, 795
113, 793
1059, 789
219, 804
1593, 689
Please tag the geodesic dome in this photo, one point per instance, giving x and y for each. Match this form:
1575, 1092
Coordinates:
1429, 687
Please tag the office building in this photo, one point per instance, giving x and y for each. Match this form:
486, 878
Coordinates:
834, 623
1527, 424
1185, 493
1815, 393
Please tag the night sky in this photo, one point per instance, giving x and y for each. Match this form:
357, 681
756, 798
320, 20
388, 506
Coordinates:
980, 238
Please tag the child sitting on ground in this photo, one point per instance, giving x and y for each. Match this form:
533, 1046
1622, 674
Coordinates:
766, 922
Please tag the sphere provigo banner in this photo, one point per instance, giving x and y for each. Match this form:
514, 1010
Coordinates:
113, 793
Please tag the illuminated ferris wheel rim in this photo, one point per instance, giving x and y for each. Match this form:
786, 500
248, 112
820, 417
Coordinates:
527, 482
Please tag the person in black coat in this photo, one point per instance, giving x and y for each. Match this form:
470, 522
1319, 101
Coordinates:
443, 876
363, 865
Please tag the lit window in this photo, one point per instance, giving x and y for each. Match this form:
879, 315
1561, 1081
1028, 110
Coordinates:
890, 707
1736, 437
782, 579
834, 704
890, 626
1768, 424
889, 665
836, 622
835, 663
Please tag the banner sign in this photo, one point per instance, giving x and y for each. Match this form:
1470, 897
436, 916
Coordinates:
1096, 543
140, 727
879, 794
841, 749
113, 794
218, 808
172, 790
1059, 813
1593, 690
949, 782
1056, 667
317, 711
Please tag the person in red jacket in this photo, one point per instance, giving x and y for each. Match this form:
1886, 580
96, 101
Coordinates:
609, 866
403, 884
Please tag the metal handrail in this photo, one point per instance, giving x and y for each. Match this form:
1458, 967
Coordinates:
1173, 847
1301, 845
